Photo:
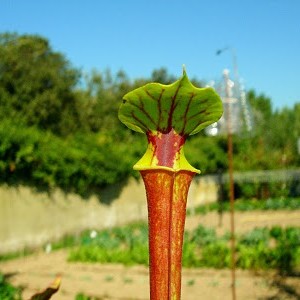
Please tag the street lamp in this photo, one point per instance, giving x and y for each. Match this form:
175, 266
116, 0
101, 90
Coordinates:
234, 60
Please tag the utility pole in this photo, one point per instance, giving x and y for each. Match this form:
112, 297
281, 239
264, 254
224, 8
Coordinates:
228, 102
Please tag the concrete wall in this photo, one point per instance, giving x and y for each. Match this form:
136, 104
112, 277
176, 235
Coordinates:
29, 218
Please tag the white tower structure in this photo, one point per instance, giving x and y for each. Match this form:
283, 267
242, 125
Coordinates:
241, 116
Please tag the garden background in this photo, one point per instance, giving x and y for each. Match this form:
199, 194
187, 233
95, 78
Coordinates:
59, 133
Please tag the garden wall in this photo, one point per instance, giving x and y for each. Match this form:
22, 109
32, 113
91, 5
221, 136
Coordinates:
30, 218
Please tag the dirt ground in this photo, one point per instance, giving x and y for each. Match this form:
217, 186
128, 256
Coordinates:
110, 281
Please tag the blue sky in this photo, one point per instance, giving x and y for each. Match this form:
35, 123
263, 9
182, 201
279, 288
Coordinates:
139, 36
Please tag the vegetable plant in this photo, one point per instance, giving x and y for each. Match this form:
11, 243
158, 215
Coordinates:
261, 248
167, 114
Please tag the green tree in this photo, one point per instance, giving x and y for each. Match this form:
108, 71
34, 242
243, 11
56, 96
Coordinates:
37, 83
162, 76
261, 107
101, 99
273, 143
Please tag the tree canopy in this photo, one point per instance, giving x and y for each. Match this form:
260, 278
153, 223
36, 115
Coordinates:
59, 126
37, 83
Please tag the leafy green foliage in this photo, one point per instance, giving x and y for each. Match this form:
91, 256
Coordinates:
215, 255
82, 296
206, 153
43, 97
36, 83
7, 290
127, 245
261, 248
256, 251
79, 163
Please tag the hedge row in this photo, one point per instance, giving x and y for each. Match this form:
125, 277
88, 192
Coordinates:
81, 163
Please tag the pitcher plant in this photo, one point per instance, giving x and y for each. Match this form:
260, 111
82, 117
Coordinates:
168, 114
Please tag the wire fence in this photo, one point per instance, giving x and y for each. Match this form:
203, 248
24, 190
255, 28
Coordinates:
264, 176
259, 184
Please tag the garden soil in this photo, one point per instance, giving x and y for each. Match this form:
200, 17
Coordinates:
117, 282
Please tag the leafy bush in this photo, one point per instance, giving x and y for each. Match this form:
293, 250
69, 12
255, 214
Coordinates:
265, 248
127, 245
256, 257
81, 163
7, 290
256, 237
201, 236
216, 255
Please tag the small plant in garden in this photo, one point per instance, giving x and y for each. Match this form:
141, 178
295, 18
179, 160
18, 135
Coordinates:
167, 114
261, 248
8, 291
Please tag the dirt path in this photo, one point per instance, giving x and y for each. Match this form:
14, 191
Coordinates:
131, 283
245, 221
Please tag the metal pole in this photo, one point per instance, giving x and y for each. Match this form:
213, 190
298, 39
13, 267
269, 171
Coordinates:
228, 101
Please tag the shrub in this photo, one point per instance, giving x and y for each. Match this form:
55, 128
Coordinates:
216, 255
7, 290
81, 163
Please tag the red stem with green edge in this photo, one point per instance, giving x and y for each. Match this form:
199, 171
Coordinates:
168, 114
